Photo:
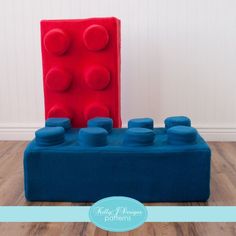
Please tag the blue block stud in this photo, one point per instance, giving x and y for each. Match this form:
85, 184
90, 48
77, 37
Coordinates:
93, 137
181, 135
102, 122
141, 123
61, 122
177, 120
139, 137
49, 136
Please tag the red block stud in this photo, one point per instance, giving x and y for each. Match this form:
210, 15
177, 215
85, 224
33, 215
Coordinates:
97, 77
59, 111
96, 37
58, 79
96, 110
56, 41
81, 69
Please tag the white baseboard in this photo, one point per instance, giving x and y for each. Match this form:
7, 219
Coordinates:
221, 134
18, 131
25, 131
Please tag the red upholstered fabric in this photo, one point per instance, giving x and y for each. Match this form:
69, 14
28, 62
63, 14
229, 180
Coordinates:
81, 69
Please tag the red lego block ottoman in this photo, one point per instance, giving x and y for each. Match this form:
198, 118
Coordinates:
81, 69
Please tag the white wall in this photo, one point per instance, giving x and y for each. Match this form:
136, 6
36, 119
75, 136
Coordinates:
178, 57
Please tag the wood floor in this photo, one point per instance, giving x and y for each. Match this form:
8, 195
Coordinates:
223, 193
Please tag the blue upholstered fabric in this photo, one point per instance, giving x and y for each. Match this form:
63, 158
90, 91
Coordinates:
61, 122
93, 137
138, 137
160, 171
49, 136
177, 120
102, 122
141, 123
181, 135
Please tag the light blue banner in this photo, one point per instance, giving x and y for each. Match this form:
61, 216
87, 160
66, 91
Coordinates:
191, 214
81, 214
44, 214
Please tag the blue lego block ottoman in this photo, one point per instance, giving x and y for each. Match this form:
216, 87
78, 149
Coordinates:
170, 164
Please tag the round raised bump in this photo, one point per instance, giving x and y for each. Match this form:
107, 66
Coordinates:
141, 123
95, 37
177, 120
59, 111
181, 135
58, 122
139, 137
49, 136
96, 110
56, 41
93, 137
97, 77
102, 122
58, 79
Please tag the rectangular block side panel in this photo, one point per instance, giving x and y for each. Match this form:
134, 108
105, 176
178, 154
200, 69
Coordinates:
146, 177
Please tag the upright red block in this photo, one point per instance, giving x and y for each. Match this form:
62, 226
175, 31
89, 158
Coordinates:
81, 69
